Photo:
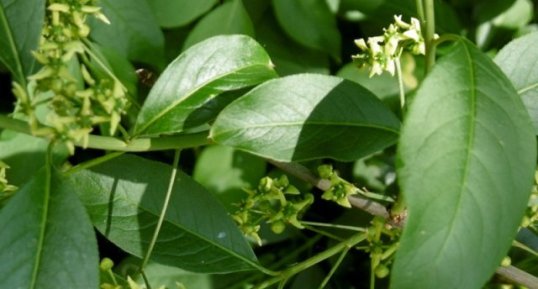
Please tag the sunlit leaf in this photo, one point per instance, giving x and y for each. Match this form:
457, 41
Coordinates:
124, 198
216, 65
467, 157
324, 116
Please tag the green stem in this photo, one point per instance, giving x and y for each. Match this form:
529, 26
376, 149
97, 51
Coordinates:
351, 228
333, 269
286, 259
420, 10
145, 278
115, 144
345, 245
429, 34
93, 162
163, 210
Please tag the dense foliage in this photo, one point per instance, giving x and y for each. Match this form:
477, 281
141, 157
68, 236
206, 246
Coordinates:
268, 143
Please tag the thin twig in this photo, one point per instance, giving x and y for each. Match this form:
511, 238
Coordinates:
303, 173
510, 273
517, 276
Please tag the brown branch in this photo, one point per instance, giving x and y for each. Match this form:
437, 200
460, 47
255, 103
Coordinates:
303, 173
509, 273
517, 276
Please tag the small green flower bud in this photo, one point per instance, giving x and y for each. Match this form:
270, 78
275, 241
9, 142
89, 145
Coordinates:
278, 227
506, 261
381, 271
325, 171
106, 264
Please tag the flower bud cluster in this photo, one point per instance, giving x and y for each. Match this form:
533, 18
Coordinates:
339, 190
276, 202
6, 190
76, 94
380, 53
383, 244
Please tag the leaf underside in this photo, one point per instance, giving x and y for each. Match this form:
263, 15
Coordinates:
467, 154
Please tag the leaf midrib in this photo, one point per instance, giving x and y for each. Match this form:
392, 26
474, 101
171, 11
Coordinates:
42, 229
470, 143
190, 93
303, 124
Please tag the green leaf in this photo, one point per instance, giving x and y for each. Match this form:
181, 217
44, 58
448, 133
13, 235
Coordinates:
229, 18
218, 64
485, 10
518, 61
133, 31
467, 156
21, 22
175, 13
47, 239
310, 23
307, 116
168, 276
25, 155
284, 51
124, 198
383, 86
517, 16
227, 172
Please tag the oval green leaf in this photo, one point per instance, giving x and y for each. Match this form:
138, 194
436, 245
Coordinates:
21, 22
133, 31
307, 116
310, 23
216, 65
175, 13
229, 18
284, 51
47, 239
518, 61
124, 198
467, 156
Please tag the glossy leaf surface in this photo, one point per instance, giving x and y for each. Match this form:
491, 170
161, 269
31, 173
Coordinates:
20, 27
174, 13
310, 23
198, 75
467, 156
229, 18
518, 61
324, 116
47, 239
133, 31
124, 198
